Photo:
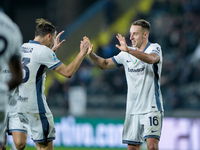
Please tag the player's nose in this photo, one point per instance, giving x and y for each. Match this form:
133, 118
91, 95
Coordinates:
131, 37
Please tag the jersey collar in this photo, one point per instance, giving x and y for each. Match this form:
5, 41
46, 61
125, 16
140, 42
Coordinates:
149, 43
34, 42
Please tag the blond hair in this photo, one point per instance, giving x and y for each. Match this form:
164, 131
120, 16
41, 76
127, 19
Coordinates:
44, 27
143, 23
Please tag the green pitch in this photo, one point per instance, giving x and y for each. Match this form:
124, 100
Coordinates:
77, 148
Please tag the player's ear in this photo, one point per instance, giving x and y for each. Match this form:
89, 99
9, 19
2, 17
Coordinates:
48, 36
146, 34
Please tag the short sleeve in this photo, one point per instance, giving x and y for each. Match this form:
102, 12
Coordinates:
48, 58
118, 59
156, 49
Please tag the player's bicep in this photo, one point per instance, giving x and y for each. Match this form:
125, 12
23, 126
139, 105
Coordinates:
155, 58
110, 63
60, 69
63, 70
15, 66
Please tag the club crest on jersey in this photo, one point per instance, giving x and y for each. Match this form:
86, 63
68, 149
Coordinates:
54, 57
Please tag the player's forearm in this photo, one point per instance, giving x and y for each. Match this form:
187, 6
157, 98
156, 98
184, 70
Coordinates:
98, 61
54, 49
75, 64
147, 58
15, 68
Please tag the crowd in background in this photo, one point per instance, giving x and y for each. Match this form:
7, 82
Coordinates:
175, 26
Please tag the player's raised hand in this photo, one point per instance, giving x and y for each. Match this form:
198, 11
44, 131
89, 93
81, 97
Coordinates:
57, 42
90, 47
123, 46
84, 46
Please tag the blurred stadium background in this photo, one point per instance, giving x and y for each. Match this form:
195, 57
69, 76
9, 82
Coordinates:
89, 108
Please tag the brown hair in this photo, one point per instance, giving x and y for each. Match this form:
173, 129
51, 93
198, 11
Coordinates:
44, 27
143, 23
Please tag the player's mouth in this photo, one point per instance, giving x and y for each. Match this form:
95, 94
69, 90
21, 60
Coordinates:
133, 42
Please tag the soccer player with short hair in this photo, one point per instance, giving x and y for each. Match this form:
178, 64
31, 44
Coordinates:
10, 55
142, 63
36, 58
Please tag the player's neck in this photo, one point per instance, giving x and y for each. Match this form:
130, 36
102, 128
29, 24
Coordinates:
143, 46
40, 40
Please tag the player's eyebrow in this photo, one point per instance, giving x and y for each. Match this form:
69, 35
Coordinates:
133, 32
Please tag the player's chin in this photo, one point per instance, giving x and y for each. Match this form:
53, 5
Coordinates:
134, 45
